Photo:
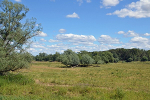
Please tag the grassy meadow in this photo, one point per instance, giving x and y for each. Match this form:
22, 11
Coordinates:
52, 81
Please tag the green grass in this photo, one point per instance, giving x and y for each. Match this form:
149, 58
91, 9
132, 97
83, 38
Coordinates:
49, 81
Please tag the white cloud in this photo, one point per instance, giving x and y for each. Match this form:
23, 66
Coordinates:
139, 9
62, 30
32, 50
121, 32
74, 15
129, 33
42, 39
139, 40
51, 40
62, 47
147, 34
76, 39
108, 3
18, 0
58, 47
42, 34
132, 34
37, 45
106, 39
80, 1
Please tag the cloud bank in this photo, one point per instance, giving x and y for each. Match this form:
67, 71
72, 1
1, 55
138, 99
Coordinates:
139, 9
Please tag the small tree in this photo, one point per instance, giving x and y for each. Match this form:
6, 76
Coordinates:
86, 60
105, 59
144, 58
129, 60
116, 60
15, 36
97, 58
100, 62
70, 58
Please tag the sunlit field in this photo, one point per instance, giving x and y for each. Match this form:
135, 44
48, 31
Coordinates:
52, 81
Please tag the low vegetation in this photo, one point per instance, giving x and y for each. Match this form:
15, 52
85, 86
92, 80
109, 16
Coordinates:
48, 80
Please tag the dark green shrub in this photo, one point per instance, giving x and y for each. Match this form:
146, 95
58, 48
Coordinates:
144, 58
116, 60
129, 60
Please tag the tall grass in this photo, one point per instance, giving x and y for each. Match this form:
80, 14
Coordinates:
48, 81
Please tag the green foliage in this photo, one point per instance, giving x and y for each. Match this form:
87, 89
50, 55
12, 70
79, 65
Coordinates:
46, 57
96, 58
111, 56
148, 55
119, 94
116, 60
100, 62
129, 60
16, 79
144, 58
125, 54
15, 36
86, 59
107, 57
14, 61
70, 58
41, 57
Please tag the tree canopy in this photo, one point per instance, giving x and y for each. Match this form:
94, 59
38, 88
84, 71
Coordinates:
15, 34
86, 60
70, 58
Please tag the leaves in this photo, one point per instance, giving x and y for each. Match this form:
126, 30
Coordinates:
15, 36
70, 58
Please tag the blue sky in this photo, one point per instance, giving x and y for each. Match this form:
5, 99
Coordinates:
91, 25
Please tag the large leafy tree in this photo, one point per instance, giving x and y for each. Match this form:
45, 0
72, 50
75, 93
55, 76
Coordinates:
70, 58
15, 34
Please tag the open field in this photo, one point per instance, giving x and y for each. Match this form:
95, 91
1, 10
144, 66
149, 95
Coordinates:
49, 81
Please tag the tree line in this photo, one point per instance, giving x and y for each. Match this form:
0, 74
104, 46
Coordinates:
71, 58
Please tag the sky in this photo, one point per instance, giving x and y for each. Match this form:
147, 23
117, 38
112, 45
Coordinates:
91, 25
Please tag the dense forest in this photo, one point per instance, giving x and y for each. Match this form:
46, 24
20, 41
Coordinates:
98, 57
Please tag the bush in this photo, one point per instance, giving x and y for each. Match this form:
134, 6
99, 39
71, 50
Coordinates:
144, 58
70, 58
119, 94
86, 60
100, 62
129, 60
116, 60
